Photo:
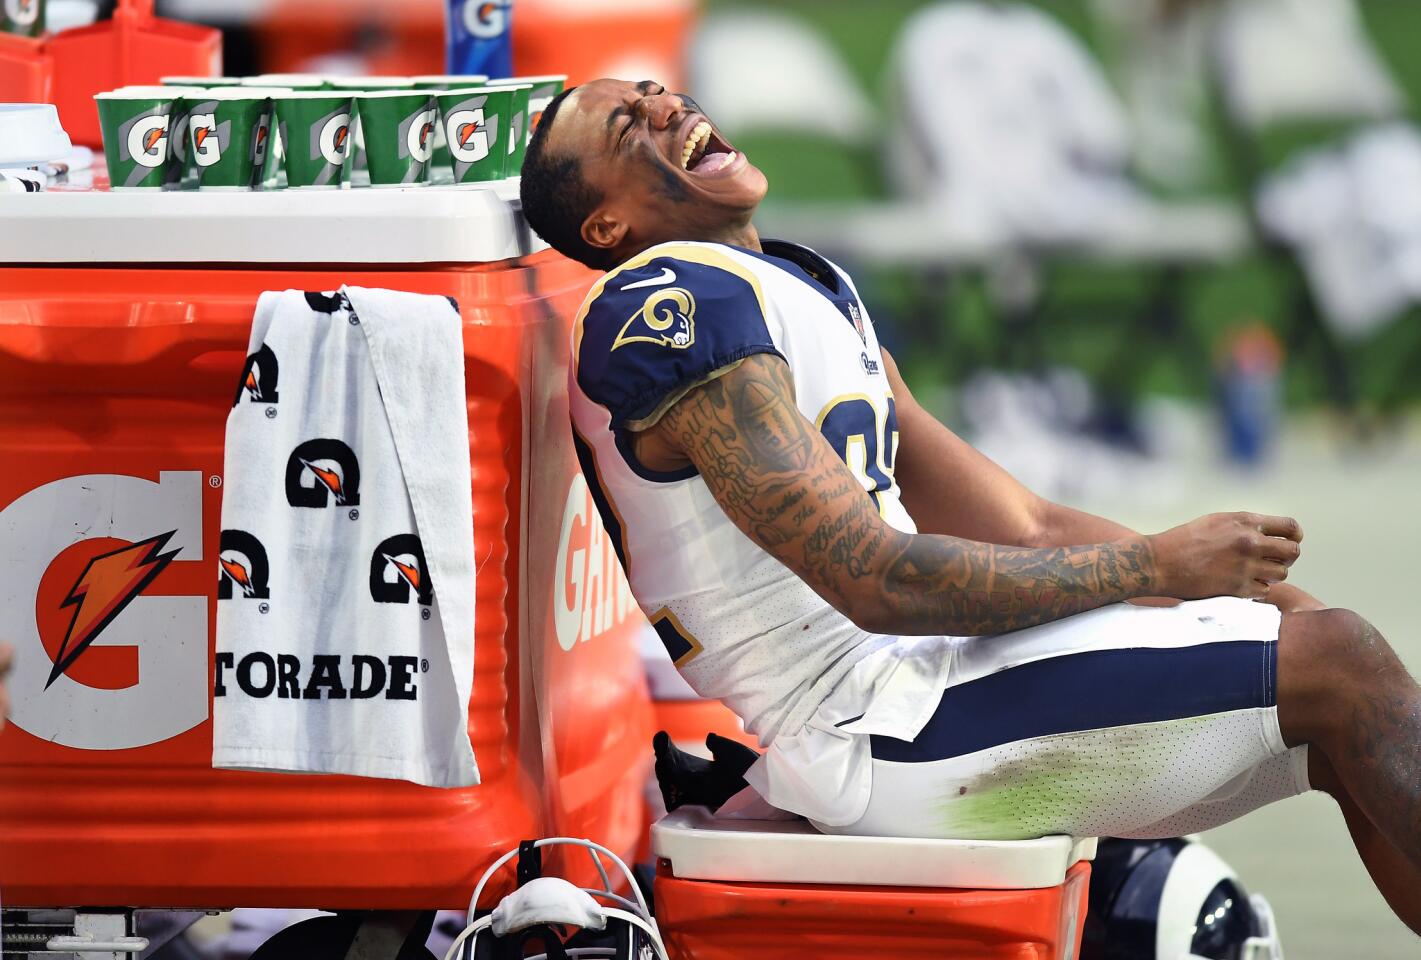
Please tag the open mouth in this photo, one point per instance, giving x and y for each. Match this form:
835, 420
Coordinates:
703, 152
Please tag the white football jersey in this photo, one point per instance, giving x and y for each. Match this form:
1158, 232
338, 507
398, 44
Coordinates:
740, 625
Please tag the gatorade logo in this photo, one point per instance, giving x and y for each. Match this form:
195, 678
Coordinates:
109, 624
261, 141
24, 12
397, 568
207, 140
467, 134
147, 141
319, 471
486, 19
590, 593
419, 135
259, 376
334, 139
243, 568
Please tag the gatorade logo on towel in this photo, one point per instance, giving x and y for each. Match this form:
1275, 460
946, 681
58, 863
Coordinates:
259, 376
243, 565
397, 569
321, 471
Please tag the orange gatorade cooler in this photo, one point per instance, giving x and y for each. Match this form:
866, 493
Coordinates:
728, 889
123, 329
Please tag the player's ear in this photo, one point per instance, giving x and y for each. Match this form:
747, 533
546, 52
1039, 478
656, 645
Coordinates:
603, 229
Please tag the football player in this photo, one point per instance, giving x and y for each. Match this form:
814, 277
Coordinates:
922, 645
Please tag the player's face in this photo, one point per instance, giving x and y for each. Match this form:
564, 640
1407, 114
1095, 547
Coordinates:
665, 172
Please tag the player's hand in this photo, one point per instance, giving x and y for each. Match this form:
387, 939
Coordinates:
1226, 555
7, 655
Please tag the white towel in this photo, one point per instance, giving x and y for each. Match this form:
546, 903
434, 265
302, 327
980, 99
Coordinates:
345, 621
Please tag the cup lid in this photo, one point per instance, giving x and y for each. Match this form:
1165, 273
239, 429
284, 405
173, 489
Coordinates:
247, 93
382, 94
371, 83
141, 93
541, 78
315, 94
284, 80
469, 78
200, 81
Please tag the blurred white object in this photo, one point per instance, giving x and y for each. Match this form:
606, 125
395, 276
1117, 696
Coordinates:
1288, 59
30, 134
1353, 215
218, 11
1007, 133
798, 83
546, 900
67, 14
662, 678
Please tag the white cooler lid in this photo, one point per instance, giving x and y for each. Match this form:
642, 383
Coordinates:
478, 223
701, 847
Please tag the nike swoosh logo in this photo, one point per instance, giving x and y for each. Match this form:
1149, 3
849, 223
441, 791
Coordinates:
667, 276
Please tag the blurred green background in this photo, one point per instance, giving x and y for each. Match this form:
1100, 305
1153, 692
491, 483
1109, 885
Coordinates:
1096, 304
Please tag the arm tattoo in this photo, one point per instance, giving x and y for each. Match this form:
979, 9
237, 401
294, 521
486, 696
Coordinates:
782, 484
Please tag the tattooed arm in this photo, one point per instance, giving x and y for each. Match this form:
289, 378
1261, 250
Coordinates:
780, 482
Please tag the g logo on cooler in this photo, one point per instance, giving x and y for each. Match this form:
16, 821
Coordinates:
25, 12
335, 139
419, 138
109, 609
467, 135
486, 19
206, 148
147, 139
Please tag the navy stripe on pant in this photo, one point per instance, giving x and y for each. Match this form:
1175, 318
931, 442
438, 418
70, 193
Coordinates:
1089, 691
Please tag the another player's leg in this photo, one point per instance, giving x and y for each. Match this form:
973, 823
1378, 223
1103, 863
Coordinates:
1398, 879
1343, 690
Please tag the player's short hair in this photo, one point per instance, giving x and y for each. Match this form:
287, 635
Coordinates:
556, 198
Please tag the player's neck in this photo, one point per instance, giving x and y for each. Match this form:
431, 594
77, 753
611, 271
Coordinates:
741, 235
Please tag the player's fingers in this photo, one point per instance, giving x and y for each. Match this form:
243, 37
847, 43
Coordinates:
7, 655
1284, 551
1271, 571
1285, 527
1256, 590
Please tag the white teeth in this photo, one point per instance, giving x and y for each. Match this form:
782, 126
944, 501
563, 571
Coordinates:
701, 133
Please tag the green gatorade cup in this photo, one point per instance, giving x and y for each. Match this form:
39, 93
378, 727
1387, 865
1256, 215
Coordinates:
437, 83
136, 125
517, 143
476, 123
545, 87
399, 136
229, 138
24, 18
315, 127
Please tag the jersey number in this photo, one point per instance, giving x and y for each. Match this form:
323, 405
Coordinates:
865, 438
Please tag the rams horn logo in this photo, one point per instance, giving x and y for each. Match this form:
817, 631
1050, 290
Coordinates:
396, 567
668, 317
258, 378
322, 469
242, 561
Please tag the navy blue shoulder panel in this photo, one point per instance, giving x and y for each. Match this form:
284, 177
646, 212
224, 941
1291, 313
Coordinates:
658, 328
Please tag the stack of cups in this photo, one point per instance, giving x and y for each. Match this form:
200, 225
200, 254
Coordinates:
436, 84
230, 138
316, 129
145, 131
529, 108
